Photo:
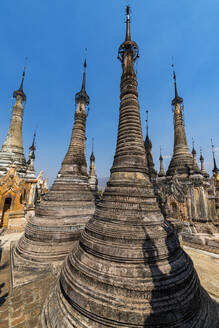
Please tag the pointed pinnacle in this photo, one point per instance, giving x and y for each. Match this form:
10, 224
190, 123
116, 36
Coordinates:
201, 156
147, 122
33, 143
161, 157
176, 99
23, 75
20, 90
215, 169
128, 32
92, 145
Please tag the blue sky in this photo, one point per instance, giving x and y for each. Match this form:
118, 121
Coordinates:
54, 34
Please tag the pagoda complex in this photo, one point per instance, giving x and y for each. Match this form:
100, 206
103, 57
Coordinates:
128, 269
18, 181
65, 209
186, 194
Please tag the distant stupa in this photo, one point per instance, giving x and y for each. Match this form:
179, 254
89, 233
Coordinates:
182, 160
66, 208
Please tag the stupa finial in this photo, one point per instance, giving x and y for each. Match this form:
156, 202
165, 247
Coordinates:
82, 95
20, 90
177, 99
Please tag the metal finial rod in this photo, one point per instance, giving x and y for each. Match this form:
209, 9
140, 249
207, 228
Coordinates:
174, 74
24, 71
200, 150
84, 74
85, 59
25, 64
193, 143
34, 138
23, 74
215, 169
212, 147
92, 145
33, 143
147, 121
128, 33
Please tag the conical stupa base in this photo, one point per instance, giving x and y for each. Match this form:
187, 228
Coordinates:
159, 309
129, 270
60, 217
57, 312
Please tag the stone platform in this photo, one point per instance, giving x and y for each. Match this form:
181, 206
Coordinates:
202, 241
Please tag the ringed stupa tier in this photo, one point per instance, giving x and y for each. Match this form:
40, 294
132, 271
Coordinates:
66, 208
128, 269
12, 151
182, 160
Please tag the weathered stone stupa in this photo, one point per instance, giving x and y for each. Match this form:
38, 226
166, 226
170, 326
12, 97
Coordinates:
161, 172
12, 151
68, 205
128, 269
18, 181
182, 160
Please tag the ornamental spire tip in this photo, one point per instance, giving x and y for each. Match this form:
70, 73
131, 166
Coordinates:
215, 169
147, 122
20, 90
177, 99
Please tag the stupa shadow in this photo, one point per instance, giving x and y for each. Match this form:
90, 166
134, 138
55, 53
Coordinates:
160, 315
164, 292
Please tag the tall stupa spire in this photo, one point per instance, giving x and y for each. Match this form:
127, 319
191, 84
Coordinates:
194, 158
149, 155
32, 149
161, 172
12, 149
215, 168
75, 158
92, 177
31, 174
66, 208
128, 269
182, 158
203, 170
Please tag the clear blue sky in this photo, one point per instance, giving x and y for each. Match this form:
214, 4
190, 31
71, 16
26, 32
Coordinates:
54, 34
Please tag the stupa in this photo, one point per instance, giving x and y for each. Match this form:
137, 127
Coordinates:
182, 160
12, 151
66, 208
128, 269
92, 176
